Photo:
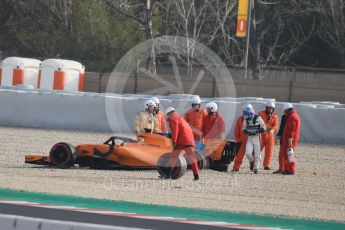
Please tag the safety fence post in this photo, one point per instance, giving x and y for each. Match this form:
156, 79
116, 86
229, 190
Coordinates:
291, 84
136, 77
214, 81
100, 82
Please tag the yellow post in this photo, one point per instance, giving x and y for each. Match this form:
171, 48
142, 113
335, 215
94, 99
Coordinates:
242, 18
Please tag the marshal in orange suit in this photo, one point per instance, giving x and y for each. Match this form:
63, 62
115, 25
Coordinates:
267, 138
239, 137
195, 117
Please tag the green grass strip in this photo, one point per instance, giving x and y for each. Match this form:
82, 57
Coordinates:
131, 207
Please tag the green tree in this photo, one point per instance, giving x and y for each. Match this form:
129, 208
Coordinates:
71, 29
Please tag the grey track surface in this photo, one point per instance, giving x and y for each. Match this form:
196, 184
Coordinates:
75, 216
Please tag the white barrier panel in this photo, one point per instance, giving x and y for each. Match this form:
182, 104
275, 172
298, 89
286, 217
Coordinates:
59, 74
22, 223
14, 222
6, 222
321, 123
17, 70
53, 110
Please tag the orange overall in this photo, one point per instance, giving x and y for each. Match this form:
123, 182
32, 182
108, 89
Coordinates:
214, 127
267, 138
182, 137
239, 137
162, 126
196, 120
291, 130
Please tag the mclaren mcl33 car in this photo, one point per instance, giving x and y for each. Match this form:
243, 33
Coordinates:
151, 152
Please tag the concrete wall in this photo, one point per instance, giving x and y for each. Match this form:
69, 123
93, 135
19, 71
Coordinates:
322, 122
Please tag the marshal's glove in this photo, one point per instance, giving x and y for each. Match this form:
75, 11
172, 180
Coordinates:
261, 130
245, 131
269, 129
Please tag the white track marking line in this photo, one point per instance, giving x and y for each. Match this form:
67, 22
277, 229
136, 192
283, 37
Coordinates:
156, 217
18, 202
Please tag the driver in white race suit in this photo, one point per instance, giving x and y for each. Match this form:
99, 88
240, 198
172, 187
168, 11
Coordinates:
253, 125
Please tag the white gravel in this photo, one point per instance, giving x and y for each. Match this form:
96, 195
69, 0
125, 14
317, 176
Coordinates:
317, 191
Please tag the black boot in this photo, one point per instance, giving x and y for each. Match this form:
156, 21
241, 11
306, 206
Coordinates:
196, 176
251, 166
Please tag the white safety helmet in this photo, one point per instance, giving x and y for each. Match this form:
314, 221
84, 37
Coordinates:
287, 106
196, 100
245, 106
270, 104
149, 103
213, 107
155, 100
169, 110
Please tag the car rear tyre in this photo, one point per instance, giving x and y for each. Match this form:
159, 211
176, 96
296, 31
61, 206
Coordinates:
62, 155
177, 171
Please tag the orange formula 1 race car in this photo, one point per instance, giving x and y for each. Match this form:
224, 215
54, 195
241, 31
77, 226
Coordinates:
151, 152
